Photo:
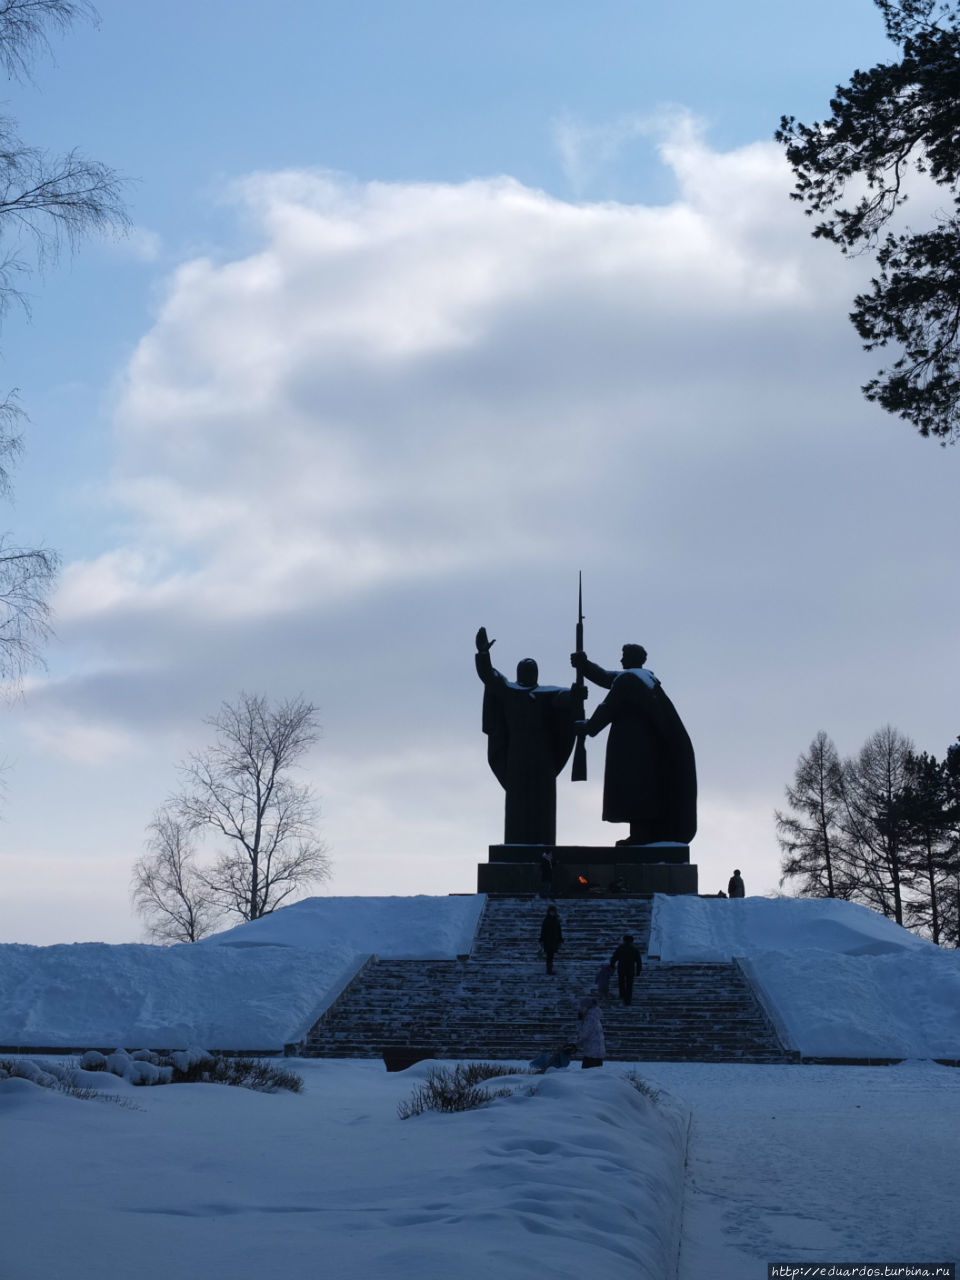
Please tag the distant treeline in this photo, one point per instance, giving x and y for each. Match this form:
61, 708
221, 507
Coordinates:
881, 827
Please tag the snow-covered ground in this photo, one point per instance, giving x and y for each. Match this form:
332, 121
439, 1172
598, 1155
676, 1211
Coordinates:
258, 986
575, 1174
838, 979
584, 1178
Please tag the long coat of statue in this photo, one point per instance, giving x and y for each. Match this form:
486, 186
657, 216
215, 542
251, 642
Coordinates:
650, 775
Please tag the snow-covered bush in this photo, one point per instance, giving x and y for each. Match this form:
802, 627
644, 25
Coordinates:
455, 1090
59, 1076
200, 1067
643, 1086
146, 1067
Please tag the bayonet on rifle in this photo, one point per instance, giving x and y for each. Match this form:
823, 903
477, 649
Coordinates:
579, 773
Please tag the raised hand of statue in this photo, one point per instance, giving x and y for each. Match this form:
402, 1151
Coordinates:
578, 659
483, 644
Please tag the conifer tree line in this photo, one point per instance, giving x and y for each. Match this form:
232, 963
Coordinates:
881, 827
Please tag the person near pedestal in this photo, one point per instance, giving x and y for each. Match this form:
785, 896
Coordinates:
546, 874
735, 886
551, 936
627, 962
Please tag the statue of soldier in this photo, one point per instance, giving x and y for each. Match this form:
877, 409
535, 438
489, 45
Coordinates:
530, 734
650, 775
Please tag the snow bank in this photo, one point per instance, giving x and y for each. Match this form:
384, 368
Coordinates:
90, 994
420, 927
258, 986
688, 930
865, 1006
576, 1174
840, 980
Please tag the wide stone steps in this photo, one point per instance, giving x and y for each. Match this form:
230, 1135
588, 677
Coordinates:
499, 1003
592, 927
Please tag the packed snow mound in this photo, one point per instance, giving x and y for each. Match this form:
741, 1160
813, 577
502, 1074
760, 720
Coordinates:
688, 930
420, 927
259, 986
832, 1005
576, 1174
93, 995
838, 980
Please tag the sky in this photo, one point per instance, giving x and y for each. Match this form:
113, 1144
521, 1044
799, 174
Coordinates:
424, 310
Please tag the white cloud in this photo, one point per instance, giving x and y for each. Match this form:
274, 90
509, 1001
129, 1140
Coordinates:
588, 152
90, 745
410, 380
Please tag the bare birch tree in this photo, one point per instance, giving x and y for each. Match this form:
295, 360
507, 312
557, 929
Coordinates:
168, 889
240, 798
875, 822
45, 201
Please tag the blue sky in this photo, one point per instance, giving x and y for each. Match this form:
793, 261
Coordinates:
425, 308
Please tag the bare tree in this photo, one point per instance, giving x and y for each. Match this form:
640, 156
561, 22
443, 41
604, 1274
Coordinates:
875, 819
811, 837
168, 889
25, 578
24, 25
45, 201
240, 791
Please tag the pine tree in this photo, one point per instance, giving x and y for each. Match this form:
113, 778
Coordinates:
927, 817
852, 171
810, 837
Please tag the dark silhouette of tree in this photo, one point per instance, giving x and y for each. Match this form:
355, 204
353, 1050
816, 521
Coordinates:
881, 827
949, 898
926, 811
45, 201
168, 889
811, 836
852, 171
874, 823
263, 823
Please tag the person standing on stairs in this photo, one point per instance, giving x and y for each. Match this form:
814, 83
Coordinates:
590, 1044
626, 960
604, 974
546, 874
551, 936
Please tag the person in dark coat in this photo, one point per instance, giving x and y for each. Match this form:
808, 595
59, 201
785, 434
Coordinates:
551, 936
530, 734
650, 774
626, 960
546, 874
735, 886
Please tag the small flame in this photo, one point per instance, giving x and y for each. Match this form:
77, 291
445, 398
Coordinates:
583, 880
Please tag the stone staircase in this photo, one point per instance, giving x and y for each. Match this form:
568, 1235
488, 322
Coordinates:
498, 1002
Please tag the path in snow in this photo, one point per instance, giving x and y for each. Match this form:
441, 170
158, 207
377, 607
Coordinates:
817, 1164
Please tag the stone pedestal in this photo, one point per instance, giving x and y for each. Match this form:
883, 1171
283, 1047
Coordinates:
584, 869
